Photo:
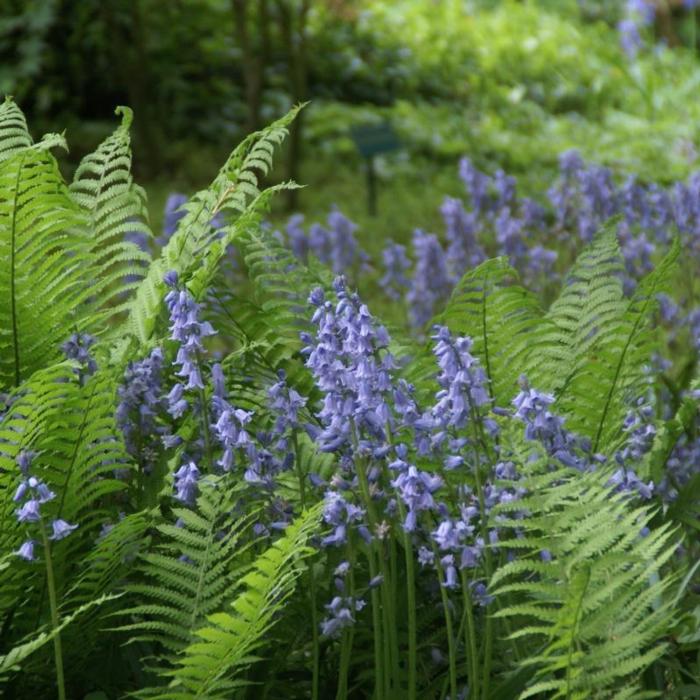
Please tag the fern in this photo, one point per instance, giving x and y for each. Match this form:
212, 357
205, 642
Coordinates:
598, 603
209, 667
591, 300
609, 371
114, 206
187, 575
14, 135
42, 280
232, 190
501, 318
10, 662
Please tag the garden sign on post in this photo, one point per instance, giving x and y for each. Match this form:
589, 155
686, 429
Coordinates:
371, 140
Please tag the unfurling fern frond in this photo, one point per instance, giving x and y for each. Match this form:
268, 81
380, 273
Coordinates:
115, 209
585, 588
210, 667
14, 135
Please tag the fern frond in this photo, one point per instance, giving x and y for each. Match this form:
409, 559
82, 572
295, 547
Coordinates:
188, 574
501, 318
598, 602
591, 299
114, 206
610, 371
232, 190
11, 662
209, 667
14, 135
42, 278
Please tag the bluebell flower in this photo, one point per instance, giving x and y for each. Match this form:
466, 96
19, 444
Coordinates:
448, 566
177, 404
426, 557
640, 433
547, 428
61, 529
341, 615
297, 238
477, 184
463, 382
77, 348
24, 460
26, 551
230, 431
630, 37
416, 488
340, 514
186, 486
140, 401
286, 403
29, 512
188, 331
505, 186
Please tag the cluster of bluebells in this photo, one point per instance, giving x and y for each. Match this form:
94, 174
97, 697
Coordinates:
395, 280
140, 402
334, 244
31, 495
431, 283
77, 348
547, 428
363, 405
342, 608
188, 330
494, 219
639, 432
638, 16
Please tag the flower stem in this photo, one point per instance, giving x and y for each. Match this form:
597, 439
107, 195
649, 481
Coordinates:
346, 643
448, 626
411, 602
312, 579
470, 639
51, 585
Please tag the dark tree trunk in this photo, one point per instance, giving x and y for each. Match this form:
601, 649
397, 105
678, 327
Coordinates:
254, 59
293, 27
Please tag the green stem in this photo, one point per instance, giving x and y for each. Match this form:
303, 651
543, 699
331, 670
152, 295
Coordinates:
51, 584
205, 427
470, 639
410, 587
348, 635
411, 602
378, 613
312, 580
448, 625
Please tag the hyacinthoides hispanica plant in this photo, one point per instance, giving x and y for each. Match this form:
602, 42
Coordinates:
237, 483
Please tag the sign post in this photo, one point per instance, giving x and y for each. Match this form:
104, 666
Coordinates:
371, 140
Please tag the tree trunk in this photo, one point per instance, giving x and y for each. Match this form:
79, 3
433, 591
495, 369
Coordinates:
295, 47
253, 59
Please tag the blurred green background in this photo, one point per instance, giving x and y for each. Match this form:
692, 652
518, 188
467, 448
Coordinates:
511, 84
